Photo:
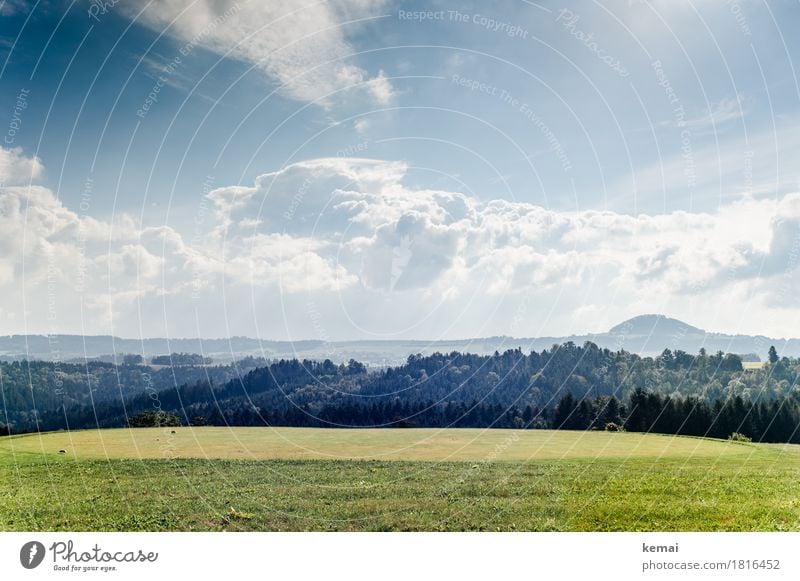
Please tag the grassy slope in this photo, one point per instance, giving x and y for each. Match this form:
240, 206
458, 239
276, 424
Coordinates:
496, 479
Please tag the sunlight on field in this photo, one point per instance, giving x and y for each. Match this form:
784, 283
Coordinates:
753, 364
376, 444
289, 479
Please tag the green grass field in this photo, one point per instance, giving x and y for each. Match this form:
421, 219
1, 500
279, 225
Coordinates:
313, 479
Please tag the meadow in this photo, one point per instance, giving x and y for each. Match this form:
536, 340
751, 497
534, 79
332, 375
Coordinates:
393, 479
753, 365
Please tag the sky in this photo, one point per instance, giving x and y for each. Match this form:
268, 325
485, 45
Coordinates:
373, 169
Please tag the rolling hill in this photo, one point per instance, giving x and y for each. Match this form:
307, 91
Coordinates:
645, 335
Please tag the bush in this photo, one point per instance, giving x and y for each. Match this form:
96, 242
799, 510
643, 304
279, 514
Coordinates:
613, 427
737, 437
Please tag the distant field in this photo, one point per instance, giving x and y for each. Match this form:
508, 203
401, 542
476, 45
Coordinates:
380, 444
314, 479
753, 364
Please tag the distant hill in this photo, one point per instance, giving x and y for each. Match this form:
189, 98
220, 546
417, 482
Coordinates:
646, 334
651, 334
646, 324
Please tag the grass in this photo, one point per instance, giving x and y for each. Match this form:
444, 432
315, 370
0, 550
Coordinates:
379, 444
298, 479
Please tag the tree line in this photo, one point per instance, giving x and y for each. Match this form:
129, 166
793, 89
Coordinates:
775, 420
566, 387
765, 421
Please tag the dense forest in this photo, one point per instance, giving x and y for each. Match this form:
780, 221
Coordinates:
31, 388
567, 386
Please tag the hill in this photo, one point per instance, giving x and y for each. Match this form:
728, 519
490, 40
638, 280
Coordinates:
654, 324
645, 335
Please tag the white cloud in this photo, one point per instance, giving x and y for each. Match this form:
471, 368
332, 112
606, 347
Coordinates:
133, 261
398, 239
423, 244
343, 248
16, 168
381, 89
61, 272
303, 47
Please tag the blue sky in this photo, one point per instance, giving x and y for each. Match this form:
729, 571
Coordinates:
442, 169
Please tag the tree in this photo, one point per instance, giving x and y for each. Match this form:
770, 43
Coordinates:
667, 359
527, 416
132, 359
731, 362
154, 419
178, 359
637, 420
565, 412
584, 415
355, 367
608, 411
773, 355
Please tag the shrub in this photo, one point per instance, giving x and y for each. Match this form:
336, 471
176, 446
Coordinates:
737, 437
613, 427
198, 421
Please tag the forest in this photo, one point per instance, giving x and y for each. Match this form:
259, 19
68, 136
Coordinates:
565, 387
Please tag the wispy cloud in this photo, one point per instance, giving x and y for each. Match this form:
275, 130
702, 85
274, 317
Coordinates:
11, 7
726, 110
304, 48
709, 170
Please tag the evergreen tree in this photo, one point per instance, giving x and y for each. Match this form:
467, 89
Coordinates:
565, 413
772, 355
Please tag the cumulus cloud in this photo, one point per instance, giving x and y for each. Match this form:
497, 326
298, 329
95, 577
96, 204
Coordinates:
430, 247
17, 168
284, 39
65, 272
343, 248
363, 216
